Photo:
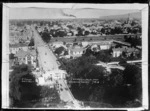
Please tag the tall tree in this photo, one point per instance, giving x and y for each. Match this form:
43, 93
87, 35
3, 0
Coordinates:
46, 37
59, 50
132, 77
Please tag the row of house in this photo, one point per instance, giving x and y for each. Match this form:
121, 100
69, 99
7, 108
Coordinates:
14, 48
77, 49
128, 50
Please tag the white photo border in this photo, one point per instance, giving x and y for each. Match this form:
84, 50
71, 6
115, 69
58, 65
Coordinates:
5, 44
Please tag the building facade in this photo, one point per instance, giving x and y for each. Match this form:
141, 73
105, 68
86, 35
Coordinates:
14, 48
26, 57
75, 51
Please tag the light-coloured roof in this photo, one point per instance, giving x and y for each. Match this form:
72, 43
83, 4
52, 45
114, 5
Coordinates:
127, 25
132, 50
101, 42
76, 48
22, 53
118, 49
125, 49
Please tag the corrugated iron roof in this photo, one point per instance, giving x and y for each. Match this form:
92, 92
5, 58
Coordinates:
18, 45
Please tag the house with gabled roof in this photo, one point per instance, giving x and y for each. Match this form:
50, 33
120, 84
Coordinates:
118, 51
14, 48
76, 51
26, 57
104, 45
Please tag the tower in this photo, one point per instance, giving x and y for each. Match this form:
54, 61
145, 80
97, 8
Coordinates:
128, 20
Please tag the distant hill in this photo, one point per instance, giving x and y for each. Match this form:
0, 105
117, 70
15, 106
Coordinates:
136, 15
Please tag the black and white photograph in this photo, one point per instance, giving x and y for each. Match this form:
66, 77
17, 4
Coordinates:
75, 56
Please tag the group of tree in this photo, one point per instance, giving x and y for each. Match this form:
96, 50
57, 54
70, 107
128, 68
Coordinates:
58, 33
11, 56
46, 36
60, 50
62, 32
24, 91
134, 41
111, 31
117, 88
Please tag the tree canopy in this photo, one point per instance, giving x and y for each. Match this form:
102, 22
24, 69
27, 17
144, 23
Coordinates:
31, 42
11, 56
59, 50
109, 88
24, 91
46, 36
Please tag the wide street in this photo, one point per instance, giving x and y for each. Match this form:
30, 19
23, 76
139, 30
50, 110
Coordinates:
48, 62
47, 59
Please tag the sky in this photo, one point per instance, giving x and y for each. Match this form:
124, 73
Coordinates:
51, 13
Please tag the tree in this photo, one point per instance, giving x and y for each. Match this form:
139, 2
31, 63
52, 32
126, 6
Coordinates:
24, 89
83, 67
88, 52
70, 26
59, 50
80, 31
110, 50
15, 86
31, 42
28, 88
98, 94
11, 56
125, 38
109, 87
46, 37
123, 62
50, 93
86, 33
75, 40
115, 78
132, 76
89, 73
61, 33
66, 53
103, 56
124, 53
103, 30
64, 43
